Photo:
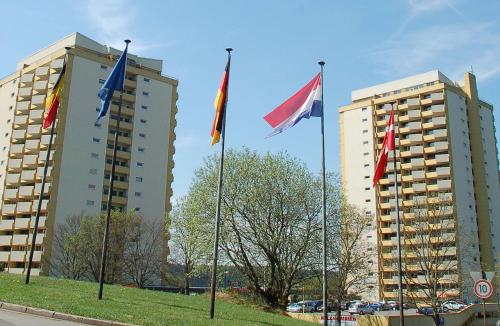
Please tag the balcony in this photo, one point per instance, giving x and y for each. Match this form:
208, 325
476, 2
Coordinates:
38, 188
439, 159
26, 192
41, 222
36, 116
22, 223
20, 120
24, 208
37, 102
409, 116
436, 135
27, 78
410, 127
39, 172
10, 194
12, 179
119, 154
42, 71
5, 240
16, 151
6, 225
19, 239
4, 256
34, 131
30, 161
28, 176
123, 125
18, 136
411, 139
43, 208
17, 256
22, 107
14, 165
432, 99
39, 238
436, 147
32, 146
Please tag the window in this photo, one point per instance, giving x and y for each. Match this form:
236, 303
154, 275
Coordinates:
10, 108
367, 177
90, 203
137, 209
367, 200
138, 194
144, 107
6, 134
12, 95
365, 142
103, 67
364, 120
366, 153
366, 165
91, 187
146, 80
94, 155
97, 109
363, 109
138, 179
145, 93
97, 124
141, 149
8, 121
365, 131
93, 171
143, 120
367, 188
140, 164
96, 140
142, 135
101, 81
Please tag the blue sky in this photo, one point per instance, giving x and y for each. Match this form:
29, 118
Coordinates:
276, 48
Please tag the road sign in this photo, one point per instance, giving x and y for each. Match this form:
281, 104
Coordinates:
483, 289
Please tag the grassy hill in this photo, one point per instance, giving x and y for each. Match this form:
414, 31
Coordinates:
135, 306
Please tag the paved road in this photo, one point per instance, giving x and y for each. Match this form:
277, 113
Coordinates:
12, 318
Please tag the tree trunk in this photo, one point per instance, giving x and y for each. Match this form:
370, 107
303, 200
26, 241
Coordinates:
186, 285
337, 317
435, 316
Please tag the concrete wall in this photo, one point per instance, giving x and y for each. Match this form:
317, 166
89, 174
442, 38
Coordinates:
463, 189
357, 175
8, 96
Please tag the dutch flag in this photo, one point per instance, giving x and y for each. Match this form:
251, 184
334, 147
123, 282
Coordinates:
305, 103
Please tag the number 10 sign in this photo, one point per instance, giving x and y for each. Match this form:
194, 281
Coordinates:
483, 289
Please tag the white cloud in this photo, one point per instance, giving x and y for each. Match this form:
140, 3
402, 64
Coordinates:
451, 48
113, 21
418, 7
183, 141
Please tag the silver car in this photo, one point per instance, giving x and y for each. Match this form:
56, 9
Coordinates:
361, 309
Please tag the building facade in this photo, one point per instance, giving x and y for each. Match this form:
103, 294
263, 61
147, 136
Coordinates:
447, 168
80, 163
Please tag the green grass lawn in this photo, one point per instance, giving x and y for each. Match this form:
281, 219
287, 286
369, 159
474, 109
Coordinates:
135, 306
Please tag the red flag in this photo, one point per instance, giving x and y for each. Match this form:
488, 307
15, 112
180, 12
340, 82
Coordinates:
387, 146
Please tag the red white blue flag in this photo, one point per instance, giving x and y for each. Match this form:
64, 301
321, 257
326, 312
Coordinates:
305, 103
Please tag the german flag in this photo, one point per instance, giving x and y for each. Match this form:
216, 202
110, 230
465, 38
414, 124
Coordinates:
53, 99
220, 105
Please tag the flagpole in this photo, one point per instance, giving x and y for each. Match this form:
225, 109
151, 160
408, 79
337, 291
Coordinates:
323, 172
110, 192
219, 197
42, 190
398, 236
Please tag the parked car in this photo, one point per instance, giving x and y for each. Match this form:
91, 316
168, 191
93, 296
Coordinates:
452, 305
332, 306
380, 306
361, 309
393, 304
344, 306
425, 311
302, 306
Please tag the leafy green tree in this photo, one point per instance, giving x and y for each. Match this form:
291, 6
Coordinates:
270, 218
191, 239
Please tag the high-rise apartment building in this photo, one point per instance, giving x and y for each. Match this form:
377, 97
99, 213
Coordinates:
78, 175
446, 158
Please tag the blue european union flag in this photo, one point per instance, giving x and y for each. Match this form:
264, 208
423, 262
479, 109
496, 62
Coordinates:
114, 82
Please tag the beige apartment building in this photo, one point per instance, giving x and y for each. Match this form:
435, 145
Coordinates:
80, 165
446, 153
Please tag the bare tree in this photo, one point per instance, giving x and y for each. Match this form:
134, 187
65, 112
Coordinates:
430, 253
68, 256
190, 241
143, 250
348, 254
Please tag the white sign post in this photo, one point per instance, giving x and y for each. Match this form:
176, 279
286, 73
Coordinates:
483, 289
